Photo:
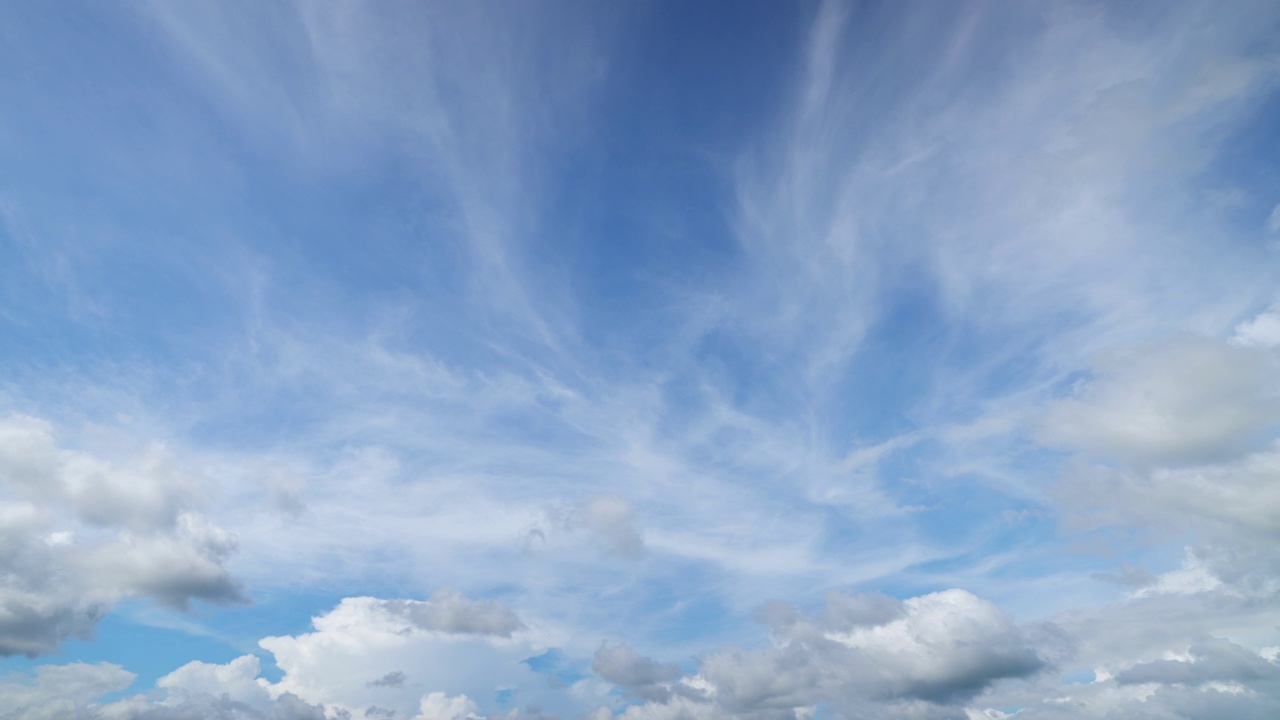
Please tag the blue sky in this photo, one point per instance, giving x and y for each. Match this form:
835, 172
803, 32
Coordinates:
649, 360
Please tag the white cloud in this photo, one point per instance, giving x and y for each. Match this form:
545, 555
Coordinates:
1182, 400
146, 493
90, 533
238, 680
449, 649
450, 645
438, 706
1007, 198
1262, 330
1195, 576
921, 655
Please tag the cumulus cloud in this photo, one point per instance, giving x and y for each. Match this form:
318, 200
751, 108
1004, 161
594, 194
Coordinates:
172, 568
921, 655
438, 706
45, 598
146, 493
238, 680
638, 675
322, 674
86, 533
355, 657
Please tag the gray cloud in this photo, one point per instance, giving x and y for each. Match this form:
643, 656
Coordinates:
173, 568
450, 612
87, 533
43, 595
641, 676
1211, 660
59, 691
392, 679
612, 519
1216, 679
920, 657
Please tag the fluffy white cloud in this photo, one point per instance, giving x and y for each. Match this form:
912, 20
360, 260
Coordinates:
450, 645
238, 680
148, 492
438, 706
918, 657
450, 649
82, 533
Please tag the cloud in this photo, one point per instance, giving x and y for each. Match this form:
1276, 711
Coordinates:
1174, 402
173, 568
1212, 661
391, 679
237, 680
612, 519
954, 208
451, 641
456, 647
1212, 679
1182, 428
1262, 330
89, 533
438, 706
448, 611
45, 596
640, 676
931, 651
147, 493
59, 690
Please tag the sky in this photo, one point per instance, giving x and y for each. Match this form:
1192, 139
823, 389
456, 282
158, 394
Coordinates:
642, 360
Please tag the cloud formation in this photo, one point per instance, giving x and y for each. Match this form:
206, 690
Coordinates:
80, 534
636, 324
924, 654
